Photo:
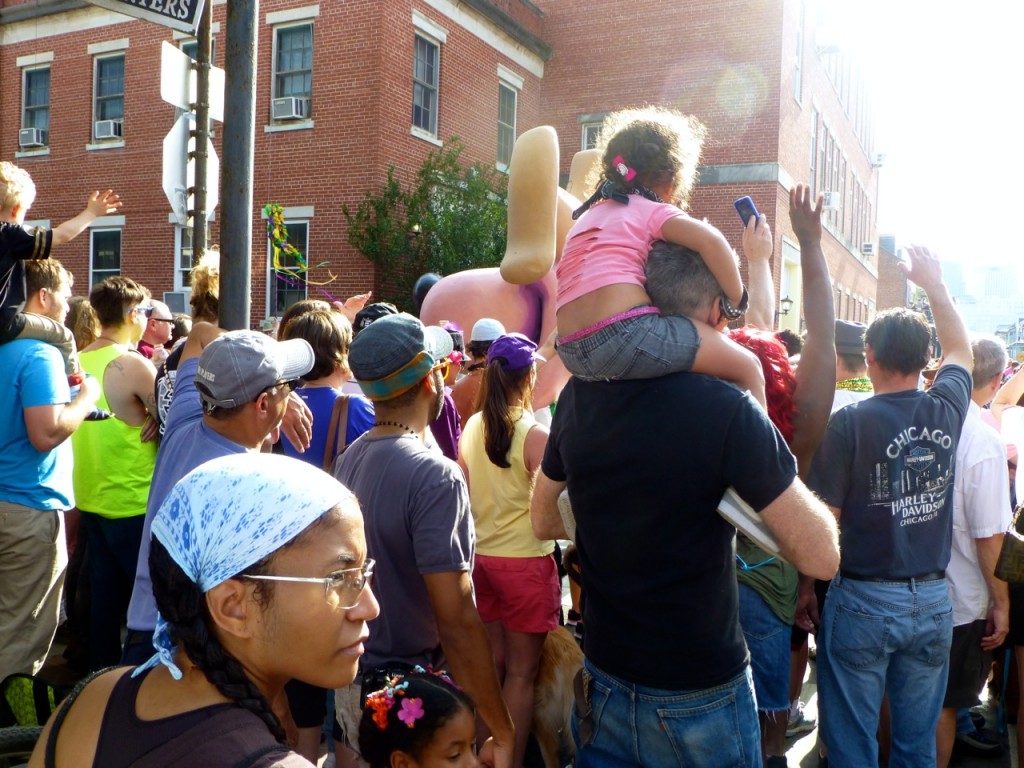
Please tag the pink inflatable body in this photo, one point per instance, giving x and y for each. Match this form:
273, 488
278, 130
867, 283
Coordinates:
465, 297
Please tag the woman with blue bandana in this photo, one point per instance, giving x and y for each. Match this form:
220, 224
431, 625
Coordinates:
260, 574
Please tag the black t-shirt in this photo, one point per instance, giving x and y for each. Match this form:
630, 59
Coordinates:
887, 464
646, 463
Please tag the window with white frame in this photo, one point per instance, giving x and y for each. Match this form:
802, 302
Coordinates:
425, 79
507, 101
293, 62
36, 98
109, 89
183, 258
287, 289
798, 74
105, 254
591, 132
191, 49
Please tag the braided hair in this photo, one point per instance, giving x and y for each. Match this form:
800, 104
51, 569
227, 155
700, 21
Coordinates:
183, 606
386, 728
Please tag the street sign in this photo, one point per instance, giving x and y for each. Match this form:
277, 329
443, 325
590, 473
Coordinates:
176, 14
179, 170
178, 81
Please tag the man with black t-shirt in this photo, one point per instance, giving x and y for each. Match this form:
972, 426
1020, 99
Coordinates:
885, 468
667, 678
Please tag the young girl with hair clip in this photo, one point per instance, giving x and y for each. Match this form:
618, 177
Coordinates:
607, 326
419, 720
515, 576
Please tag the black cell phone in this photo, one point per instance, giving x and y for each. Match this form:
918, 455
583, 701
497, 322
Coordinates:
745, 208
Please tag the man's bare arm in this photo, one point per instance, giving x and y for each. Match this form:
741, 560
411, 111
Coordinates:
50, 425
468, 654
544, 515
757, 249
1008, 395
806, 531
924, 269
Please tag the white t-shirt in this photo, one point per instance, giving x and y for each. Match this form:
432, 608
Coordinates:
845, 397
981, 508
1013, 433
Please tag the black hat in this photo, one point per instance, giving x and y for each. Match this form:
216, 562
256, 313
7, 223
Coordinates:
850, 337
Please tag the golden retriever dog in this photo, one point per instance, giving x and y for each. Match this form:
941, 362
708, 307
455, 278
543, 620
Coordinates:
560, 659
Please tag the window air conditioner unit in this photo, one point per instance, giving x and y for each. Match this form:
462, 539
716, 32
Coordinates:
31, 137
291, 108
868, 249
107, 129
177, 301
831, 201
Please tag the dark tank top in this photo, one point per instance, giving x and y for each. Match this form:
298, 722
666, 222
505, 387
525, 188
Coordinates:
125, 738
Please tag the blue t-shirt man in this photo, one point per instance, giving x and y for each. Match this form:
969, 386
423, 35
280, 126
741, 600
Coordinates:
31, 374
187, 443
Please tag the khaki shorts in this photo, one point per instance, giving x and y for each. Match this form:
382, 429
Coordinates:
348, 711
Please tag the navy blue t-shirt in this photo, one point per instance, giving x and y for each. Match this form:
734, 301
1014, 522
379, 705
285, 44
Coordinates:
17, 243
646, 463
887, 464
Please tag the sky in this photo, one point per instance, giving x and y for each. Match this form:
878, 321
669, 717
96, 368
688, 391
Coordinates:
948, 91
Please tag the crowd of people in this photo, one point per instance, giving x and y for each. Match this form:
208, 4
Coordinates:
356, 520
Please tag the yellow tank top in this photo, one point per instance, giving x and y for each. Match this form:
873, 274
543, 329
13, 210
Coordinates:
113, 468
500, 497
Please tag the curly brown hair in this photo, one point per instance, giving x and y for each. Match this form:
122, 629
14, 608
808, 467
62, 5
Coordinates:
662, 145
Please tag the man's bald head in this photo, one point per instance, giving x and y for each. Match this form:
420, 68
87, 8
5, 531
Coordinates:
160, 324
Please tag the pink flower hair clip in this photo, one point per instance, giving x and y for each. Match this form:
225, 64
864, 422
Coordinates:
624, 170
412, 710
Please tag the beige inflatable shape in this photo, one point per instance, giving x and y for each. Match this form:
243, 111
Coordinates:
532, 192
579, 172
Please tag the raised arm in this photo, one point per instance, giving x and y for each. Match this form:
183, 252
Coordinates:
1008, 395
757, 249
925, 270
712, 246
816, 374
99, 204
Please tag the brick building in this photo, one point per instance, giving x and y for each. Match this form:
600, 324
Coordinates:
346, 89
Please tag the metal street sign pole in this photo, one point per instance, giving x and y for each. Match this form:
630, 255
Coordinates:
237, 176
200, 225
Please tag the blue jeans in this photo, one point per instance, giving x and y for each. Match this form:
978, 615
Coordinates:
767, 639
643, 347
631, 725
878, 638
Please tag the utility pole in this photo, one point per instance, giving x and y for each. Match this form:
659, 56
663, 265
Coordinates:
237, 175
200, 221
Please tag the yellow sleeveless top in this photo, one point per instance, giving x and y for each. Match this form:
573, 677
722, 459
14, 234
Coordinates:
500, 497
113, 468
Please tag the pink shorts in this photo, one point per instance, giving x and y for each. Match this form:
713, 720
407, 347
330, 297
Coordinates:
523, 593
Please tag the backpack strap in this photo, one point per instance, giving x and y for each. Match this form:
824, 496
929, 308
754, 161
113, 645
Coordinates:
50, 755
336, 433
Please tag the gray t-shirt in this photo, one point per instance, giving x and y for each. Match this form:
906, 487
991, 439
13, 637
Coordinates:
416, 511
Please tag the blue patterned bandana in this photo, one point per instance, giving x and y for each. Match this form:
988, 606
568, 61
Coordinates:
232, 512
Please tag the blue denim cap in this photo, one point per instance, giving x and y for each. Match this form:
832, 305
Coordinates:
393, 354
515, 350
235, 367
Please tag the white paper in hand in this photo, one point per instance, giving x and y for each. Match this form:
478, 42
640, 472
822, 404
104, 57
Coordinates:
748, 522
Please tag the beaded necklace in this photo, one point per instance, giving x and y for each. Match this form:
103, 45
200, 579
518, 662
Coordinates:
398, 424
860, 384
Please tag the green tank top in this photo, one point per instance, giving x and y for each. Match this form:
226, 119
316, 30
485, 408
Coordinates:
113, 467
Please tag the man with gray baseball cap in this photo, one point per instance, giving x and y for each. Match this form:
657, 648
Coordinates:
418, 527
227, 400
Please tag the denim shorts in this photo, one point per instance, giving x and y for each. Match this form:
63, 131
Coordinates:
642, 347
768, 641
616, 723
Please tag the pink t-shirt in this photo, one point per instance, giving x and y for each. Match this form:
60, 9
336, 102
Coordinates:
609, 244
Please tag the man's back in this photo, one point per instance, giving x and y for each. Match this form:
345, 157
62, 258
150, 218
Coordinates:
887, 464
647, 462
417, 518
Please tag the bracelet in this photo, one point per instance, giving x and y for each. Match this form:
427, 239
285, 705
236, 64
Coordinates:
735, 313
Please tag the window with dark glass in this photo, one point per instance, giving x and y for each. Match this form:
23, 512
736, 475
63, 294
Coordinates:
424, 89
110, 88
506, 122
287, 289
106, 254
37, 99
293, 71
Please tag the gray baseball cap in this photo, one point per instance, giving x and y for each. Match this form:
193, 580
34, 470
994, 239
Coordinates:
236, 367
392, 354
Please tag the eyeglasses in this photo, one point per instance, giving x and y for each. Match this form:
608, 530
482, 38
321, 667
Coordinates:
346, 586
147, 311
162, 319
290, 385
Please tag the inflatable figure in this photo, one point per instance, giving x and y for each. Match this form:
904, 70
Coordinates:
521, 293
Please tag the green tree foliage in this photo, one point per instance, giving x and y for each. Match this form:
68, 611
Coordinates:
453, 218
